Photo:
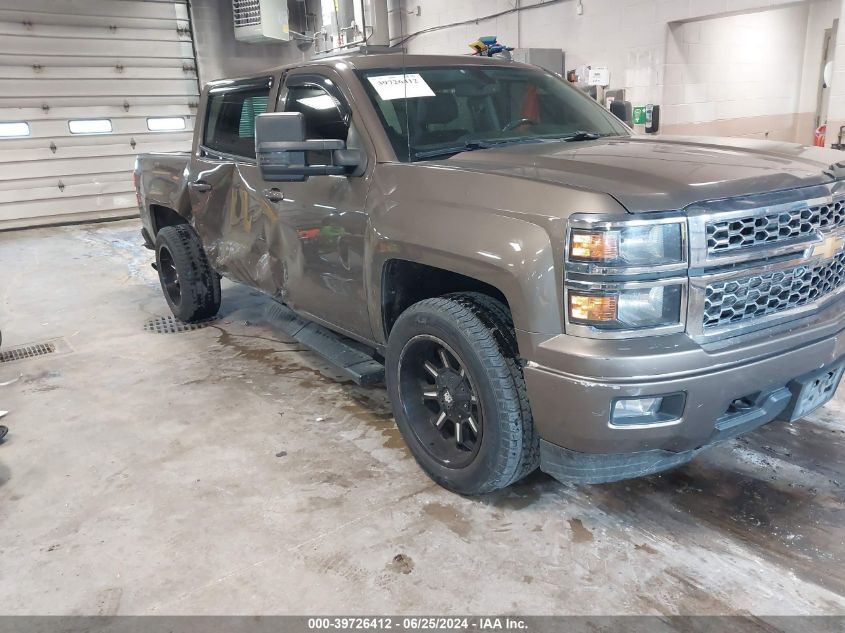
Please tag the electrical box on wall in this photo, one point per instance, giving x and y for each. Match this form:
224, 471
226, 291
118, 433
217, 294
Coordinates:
552, 59
261, 20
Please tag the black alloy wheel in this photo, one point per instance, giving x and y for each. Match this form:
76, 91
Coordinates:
441, 401
189, 283
455, 381
169, 275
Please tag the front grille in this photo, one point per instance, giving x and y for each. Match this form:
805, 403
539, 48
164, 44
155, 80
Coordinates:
246, 12
729, 235
755, 296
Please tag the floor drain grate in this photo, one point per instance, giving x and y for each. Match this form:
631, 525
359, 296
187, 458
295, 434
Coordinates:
26, 351
172, 325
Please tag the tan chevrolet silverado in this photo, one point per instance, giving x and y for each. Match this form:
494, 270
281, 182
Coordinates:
536, 285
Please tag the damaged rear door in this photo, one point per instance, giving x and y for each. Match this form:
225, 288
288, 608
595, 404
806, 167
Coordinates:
230, 214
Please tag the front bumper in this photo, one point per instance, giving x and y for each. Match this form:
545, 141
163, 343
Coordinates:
573, 383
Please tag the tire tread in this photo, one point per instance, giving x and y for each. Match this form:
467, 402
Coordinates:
200, 284
487, 325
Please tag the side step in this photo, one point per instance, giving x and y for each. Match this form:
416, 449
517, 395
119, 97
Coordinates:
353, 358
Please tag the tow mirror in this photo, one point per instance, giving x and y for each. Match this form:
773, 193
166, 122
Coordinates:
285, 155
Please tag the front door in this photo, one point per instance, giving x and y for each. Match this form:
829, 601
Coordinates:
322, 222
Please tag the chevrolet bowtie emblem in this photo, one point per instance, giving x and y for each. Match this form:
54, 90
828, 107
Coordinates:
830, 247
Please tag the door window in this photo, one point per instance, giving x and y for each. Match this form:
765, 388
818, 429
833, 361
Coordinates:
230, 124
324, 118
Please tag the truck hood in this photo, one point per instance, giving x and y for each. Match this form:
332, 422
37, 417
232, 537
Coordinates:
662, 173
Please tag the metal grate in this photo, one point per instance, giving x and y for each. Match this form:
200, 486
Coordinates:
172, 325
756, 230
26, 351
728, 302
246, 12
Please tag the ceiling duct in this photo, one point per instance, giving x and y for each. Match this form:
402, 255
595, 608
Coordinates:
261, 20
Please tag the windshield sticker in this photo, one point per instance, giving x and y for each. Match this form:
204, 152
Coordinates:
391, 87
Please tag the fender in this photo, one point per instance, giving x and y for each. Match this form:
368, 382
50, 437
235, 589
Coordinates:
162, 179
491, 228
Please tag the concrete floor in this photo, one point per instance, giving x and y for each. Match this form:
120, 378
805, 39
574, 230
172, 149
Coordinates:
224, 471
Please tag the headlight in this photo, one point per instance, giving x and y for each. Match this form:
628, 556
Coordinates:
618, 246
627, 308
626, 276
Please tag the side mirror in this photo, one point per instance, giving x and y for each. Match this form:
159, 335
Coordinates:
282, 151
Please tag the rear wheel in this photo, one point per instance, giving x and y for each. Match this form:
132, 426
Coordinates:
458, 394
190, 285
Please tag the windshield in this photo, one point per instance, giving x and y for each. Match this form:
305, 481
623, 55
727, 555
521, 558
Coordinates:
432, 112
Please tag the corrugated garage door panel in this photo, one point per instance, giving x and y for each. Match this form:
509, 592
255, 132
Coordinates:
47, 88
32, 44
60, 60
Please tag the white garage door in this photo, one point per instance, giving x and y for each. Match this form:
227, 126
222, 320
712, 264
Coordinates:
85, 85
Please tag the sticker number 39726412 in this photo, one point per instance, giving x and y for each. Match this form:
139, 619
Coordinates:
406, 86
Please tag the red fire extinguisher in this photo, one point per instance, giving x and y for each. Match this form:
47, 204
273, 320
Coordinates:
818, 137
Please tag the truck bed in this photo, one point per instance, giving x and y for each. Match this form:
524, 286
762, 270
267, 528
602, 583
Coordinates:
160, 182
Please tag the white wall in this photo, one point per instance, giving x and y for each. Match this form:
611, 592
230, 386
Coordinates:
777, 40
737, 67
821, 15
836, 116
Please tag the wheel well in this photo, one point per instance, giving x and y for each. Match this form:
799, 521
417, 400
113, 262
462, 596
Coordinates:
164, 216
404, 283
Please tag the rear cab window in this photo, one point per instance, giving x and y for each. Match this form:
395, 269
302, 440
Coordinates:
230, 116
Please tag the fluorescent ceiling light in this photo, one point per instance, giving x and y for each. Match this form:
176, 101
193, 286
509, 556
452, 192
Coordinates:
320, 102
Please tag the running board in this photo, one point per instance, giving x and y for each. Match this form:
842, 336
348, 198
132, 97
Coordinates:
352, 358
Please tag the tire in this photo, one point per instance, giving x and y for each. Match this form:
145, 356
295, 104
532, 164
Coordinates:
488, 417
190, 286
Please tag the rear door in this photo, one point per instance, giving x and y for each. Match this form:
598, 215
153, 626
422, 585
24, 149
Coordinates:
322, 222
230, 214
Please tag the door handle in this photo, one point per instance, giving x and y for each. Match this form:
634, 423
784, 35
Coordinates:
273, 195
200, 187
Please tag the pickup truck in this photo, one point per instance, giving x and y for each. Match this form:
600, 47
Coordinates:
538, 285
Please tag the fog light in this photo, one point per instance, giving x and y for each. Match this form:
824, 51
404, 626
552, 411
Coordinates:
636, 408
648, 411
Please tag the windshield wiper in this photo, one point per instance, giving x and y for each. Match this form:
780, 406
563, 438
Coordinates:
581, 135
471, 145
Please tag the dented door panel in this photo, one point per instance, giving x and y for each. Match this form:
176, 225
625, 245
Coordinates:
232, 219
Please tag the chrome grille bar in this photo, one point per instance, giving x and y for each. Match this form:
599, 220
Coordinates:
759, 295
763, 260
750, 231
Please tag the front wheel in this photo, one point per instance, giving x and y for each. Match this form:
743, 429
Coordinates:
458, 394
191, 287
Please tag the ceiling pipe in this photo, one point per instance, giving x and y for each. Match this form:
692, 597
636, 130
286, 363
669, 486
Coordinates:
370, 20
378, 14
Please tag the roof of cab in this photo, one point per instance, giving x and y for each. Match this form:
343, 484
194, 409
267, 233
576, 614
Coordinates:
383, 60
398, 60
